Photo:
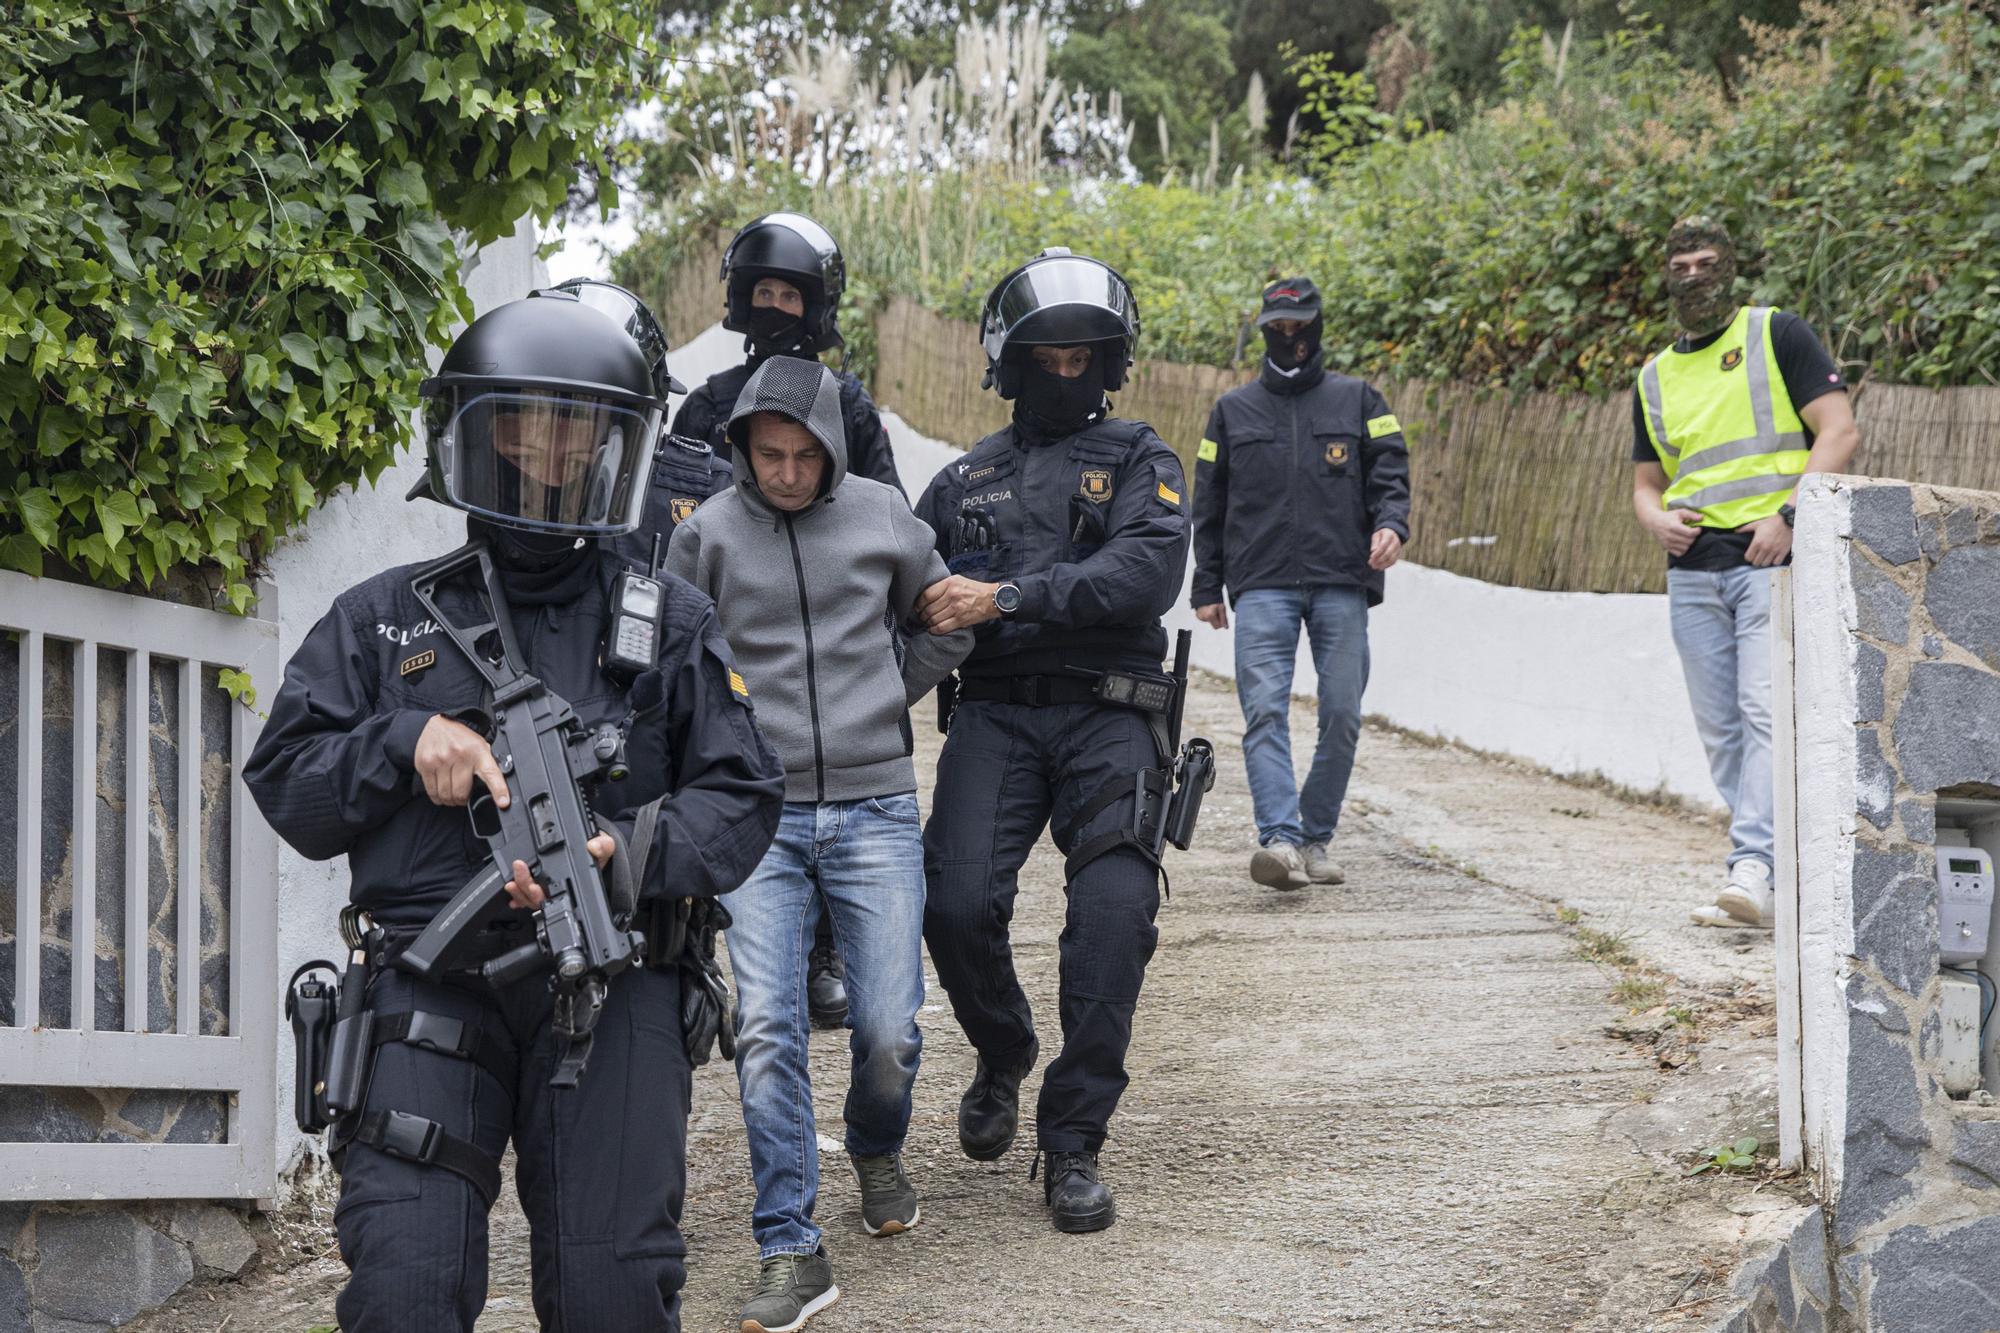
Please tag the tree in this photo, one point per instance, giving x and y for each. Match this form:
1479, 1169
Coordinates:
252, 239
1343, 28
1169, 62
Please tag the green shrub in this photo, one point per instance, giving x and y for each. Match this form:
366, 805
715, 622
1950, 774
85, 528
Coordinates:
1855, 161
218, 311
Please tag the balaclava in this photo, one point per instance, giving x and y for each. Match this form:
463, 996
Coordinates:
1288, 299
1050, 405
1703, 303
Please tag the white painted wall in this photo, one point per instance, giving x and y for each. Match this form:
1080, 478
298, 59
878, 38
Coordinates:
1815, 963
354, 535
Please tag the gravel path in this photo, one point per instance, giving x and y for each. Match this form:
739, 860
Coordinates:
1389, 1105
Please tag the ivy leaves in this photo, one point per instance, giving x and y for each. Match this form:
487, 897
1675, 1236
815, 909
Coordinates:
245, 232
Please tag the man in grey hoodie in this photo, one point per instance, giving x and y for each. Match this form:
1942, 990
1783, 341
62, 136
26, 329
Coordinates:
815, 575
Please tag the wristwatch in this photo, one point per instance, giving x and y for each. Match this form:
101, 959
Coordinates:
1007, 598
1790, 514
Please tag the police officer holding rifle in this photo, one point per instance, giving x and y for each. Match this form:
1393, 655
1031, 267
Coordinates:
542, 766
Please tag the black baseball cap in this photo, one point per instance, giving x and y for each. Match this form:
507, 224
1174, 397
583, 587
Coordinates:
1289, 298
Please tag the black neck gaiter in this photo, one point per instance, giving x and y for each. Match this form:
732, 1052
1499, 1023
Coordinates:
1050, 405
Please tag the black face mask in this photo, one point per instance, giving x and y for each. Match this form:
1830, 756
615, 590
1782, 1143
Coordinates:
524, 550
776, 332
1300, 350
1057, 406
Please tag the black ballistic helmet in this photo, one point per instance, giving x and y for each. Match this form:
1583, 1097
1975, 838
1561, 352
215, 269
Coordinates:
633, 316
1059, 299
542, 417
794, 247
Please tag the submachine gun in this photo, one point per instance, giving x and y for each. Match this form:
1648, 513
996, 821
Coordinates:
552, 763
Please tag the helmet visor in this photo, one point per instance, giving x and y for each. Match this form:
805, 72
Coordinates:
1061, 301
551, 461
631, 314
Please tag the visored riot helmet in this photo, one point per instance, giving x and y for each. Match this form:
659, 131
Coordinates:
794, 247
1059, 299
542, 418
633, 316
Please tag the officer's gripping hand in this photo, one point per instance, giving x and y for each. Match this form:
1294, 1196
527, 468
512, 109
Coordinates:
522, 891
1215, 615
956, 602
1674, 529
450, 757
1770, 542
1385, 548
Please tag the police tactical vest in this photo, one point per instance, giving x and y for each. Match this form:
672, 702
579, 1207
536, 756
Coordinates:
1723, 425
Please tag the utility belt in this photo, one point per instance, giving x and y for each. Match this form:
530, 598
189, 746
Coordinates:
1166, 800
336, 1034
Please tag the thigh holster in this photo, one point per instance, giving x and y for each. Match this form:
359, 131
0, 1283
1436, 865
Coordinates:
1144, 831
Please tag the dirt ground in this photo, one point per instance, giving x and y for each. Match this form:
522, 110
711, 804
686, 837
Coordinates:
1409, 1102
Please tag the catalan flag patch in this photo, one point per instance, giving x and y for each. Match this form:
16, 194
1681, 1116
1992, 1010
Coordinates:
737, 685
1380, 426
1208, 451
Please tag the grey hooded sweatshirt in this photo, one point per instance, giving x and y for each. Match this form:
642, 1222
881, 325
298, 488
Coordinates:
814, 602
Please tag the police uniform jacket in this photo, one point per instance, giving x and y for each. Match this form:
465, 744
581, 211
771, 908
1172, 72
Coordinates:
1292, 479
1092, 529
334, 770
686, 471
705, 416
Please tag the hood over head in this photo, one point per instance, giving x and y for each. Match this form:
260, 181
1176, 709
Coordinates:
806, 392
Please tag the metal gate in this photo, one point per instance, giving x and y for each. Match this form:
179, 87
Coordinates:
182, 1009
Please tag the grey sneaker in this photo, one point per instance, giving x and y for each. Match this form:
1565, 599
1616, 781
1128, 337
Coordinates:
1320, 867
1279, 866
791, 1288
888, 1200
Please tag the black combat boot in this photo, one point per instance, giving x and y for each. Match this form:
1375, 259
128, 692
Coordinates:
1077, 1199
826, 982
990, 1110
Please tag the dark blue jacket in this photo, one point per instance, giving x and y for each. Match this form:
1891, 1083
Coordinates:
1291, 481
334, 769
1092, 527
685, 472
705, 416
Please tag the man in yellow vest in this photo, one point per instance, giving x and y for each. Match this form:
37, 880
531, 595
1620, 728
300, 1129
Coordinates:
1725, 422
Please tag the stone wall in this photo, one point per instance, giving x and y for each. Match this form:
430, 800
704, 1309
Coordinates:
1894, 711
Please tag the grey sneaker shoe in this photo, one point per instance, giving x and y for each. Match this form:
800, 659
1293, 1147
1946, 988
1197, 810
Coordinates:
1279, 866
1320, 867
791, 1288
888, 1200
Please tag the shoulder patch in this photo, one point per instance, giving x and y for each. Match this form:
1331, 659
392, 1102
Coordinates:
1207, 452
737, 685
1095, 484
682, 507
1168, 493
1380, 426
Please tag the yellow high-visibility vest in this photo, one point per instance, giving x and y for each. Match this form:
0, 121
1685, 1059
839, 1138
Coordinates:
1724, 427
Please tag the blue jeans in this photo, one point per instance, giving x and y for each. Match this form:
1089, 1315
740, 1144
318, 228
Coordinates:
866, 858
1267, 647
1722, 629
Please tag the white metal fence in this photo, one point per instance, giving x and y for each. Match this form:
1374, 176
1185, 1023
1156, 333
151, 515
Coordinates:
155, 1032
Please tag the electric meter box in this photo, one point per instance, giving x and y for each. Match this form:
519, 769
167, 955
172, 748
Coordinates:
1965, 903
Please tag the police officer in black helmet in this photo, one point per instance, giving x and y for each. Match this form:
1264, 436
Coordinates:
541, 423
784, 275
1066, 537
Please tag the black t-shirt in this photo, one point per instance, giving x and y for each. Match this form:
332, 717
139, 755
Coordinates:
1808, 373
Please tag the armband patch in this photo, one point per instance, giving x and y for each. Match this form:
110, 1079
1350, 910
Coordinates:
1207, 452
1380, 426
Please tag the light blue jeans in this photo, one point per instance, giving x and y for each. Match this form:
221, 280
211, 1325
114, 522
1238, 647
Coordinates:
1267, 648
1722, 628
866, 858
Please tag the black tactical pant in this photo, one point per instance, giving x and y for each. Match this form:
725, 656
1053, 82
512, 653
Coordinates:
1007, 772
600, 1168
